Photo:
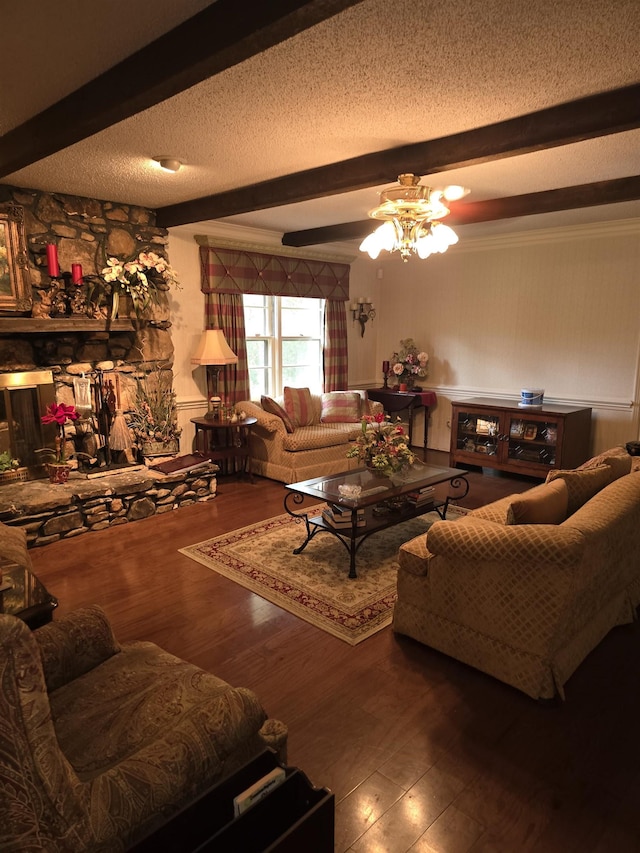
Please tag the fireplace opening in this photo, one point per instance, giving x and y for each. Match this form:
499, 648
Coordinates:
24, 397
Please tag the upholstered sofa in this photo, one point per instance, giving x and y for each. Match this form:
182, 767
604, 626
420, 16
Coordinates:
524, 588
101, 742
294, 451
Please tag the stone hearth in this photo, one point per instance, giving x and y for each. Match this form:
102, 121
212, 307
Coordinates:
50, 512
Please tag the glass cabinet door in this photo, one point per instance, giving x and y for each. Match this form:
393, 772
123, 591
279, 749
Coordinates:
532, 440
478, 433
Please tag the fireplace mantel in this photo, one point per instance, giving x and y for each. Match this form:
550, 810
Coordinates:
22, 325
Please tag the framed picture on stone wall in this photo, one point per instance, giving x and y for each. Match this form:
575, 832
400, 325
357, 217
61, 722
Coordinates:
15, 281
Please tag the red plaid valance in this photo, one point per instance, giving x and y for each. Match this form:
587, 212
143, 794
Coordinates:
240, 271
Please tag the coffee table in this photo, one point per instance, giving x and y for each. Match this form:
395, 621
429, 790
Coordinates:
385, 502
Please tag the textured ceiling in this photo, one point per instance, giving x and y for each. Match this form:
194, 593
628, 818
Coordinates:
380, 74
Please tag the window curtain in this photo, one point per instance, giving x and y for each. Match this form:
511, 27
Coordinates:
224, 311
335, 367
229, 273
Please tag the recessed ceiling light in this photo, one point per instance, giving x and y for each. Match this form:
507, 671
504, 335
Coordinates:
169, 164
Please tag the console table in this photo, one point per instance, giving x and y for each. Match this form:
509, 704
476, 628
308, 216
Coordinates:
399, 401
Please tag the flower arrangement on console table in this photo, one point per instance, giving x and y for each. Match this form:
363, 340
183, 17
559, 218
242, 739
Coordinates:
142, 278
382, 446
409, 365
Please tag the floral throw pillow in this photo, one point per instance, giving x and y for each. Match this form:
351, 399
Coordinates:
340, 407
273, 408
299, 406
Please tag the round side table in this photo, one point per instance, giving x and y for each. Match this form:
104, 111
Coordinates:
226, 442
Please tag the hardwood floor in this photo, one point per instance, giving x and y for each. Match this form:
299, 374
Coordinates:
422, 752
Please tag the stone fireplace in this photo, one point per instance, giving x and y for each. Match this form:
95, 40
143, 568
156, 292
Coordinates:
64, 346
43, 353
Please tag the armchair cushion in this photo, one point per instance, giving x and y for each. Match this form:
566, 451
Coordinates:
127, 738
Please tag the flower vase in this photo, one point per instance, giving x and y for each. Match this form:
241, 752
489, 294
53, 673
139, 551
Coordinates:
58, 472
377, 472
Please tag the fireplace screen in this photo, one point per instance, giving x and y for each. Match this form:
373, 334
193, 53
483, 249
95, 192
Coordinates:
24, 397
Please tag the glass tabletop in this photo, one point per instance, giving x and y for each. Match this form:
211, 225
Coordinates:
361, 487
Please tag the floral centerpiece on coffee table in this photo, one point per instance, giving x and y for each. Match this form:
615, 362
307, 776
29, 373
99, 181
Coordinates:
409, 364
382, 446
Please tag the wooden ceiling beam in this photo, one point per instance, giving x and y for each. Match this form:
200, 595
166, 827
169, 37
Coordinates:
575, 121
466, 213
213, 40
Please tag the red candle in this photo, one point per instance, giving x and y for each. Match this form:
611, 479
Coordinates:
76, 273
385, 367
52, 260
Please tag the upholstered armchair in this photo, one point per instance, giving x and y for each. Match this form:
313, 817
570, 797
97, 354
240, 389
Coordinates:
100, 743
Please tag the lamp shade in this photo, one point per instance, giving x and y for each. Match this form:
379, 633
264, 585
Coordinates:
214, 349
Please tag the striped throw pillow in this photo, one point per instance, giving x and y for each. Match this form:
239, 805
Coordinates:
273, 408
339, 407
299, 406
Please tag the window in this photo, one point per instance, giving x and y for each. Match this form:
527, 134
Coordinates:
284, 343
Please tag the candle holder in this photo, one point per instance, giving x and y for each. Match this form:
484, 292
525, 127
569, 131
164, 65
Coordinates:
385, 374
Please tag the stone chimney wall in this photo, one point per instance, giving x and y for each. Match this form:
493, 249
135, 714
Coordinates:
86, 231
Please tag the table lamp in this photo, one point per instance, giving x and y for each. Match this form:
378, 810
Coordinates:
214, 352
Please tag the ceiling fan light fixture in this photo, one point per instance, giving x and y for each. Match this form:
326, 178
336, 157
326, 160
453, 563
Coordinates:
412, 214
454, 192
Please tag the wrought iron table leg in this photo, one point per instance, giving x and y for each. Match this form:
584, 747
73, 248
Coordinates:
455, 483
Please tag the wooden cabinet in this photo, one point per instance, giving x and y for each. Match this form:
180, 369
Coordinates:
524, 440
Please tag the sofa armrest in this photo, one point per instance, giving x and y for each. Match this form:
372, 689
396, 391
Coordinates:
475, 540
271, 423
72, 646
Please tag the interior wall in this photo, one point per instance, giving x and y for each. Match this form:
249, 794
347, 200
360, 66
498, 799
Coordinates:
551, 309
189, 380
548, 309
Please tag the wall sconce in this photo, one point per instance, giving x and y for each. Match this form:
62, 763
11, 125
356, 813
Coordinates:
363, 311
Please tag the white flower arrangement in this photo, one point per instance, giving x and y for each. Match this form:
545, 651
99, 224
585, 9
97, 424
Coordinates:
142, 278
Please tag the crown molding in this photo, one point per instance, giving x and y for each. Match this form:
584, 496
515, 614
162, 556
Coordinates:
226, 236
560, 234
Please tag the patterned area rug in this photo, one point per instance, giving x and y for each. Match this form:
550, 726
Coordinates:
314, 584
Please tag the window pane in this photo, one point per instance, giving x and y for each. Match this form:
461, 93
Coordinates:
258, 362
257, 384
257, 314
284, 343
304, 317
302, 364
257, 353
